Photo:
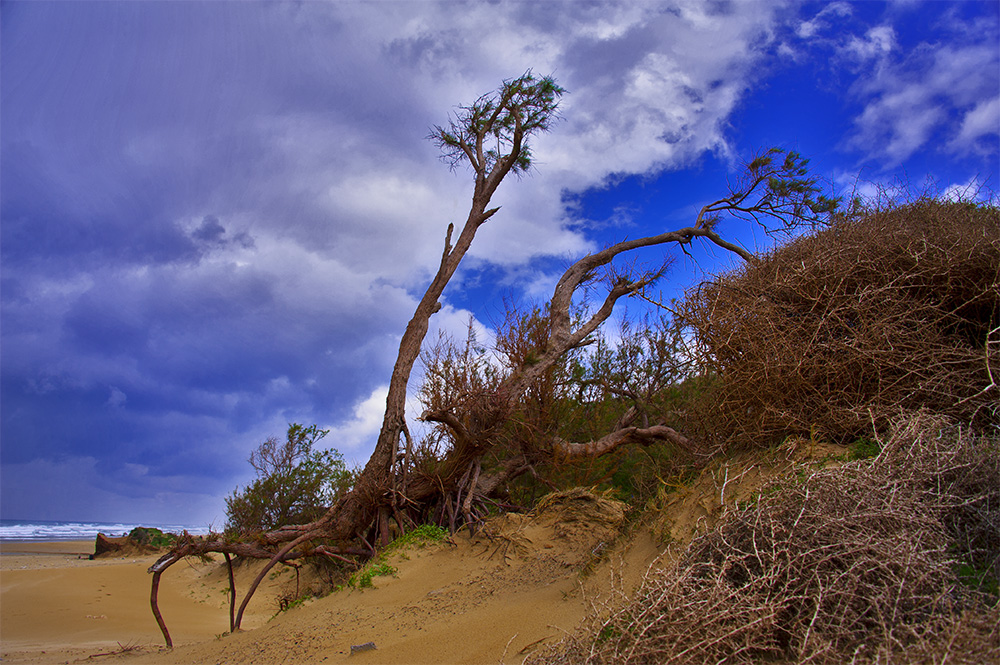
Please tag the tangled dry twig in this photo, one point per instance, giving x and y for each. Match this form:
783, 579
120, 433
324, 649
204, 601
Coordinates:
838, 331
856, 564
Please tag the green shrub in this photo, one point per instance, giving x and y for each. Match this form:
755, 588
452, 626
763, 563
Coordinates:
418, 537
363, 578
294, 483
151, 537
864, 448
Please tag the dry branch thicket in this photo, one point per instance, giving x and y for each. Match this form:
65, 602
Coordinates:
837, 332
854, 564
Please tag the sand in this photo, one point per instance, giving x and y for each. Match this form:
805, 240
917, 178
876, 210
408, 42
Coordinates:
491, 598
57, 605
499, 594
495, 597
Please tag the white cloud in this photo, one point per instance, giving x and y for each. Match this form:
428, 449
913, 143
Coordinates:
876, 43
649, 89
939, 91
907, 103
981, 121
823, 19
318, 155
355, 437
974, 189
899, 122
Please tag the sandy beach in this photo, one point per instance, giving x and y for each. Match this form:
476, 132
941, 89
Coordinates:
520, 584
495, 596
57, 605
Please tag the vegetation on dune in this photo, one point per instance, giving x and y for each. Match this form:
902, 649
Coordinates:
419, 537
295, 483
867, 314
886, 560
151, 537
837, 332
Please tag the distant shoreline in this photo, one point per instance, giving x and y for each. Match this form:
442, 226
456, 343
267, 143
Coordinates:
30, 531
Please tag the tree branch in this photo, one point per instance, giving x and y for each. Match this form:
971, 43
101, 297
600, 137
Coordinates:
619, 438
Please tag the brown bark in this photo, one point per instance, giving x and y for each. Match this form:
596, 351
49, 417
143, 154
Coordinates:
153, 592
232, 593
607, 443
375, 479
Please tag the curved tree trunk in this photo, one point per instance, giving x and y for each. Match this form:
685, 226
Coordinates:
521, 107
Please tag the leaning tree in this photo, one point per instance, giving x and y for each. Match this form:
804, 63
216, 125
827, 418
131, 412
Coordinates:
491, 136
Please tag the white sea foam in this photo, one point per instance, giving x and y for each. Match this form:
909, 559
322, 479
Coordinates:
24, 530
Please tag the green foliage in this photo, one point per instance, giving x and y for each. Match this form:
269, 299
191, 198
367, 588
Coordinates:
979, 579
294, 483
285, 604
497, 125
151, 537
421, 536
363, 578
775, 187
607, 633
864, 448
641, 378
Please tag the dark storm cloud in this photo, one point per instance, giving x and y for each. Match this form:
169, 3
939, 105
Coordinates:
210, 231
215, 216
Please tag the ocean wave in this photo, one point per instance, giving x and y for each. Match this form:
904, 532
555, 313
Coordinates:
27, 531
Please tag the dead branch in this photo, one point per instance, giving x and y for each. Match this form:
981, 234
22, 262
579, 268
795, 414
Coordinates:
851, 564
644, 437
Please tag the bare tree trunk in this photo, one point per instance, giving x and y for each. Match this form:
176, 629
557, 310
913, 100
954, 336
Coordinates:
375, 479
232, 593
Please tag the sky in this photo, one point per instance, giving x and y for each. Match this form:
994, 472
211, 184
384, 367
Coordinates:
216, 218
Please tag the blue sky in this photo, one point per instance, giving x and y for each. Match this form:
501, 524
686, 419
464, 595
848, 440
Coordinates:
216, 217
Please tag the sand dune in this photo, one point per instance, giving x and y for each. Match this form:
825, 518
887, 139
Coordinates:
521, 584
477, 599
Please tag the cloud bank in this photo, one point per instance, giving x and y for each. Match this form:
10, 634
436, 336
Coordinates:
217, 217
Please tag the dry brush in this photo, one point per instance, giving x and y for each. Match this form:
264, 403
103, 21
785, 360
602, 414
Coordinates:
867, 563
836, 332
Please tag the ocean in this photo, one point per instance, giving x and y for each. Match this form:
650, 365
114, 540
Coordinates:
38, 530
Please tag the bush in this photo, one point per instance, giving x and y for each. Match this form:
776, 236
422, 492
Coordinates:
839, 331
421, 536
151, 537
295, 484
867, 563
